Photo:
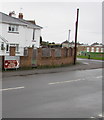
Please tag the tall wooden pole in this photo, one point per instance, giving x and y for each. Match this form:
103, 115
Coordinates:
76, 30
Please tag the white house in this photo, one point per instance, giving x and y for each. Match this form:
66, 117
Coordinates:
18, 33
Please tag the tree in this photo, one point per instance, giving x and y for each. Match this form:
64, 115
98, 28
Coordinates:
53, 42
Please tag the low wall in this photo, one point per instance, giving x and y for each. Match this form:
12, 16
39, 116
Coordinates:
54, 60
47, 57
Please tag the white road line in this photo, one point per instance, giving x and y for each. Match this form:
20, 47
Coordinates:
16, 88
100, 115
99, 76
92, 117
65, 81
85, 63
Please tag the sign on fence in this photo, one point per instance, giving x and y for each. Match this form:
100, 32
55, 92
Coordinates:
11, 62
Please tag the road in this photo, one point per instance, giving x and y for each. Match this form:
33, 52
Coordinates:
68, 94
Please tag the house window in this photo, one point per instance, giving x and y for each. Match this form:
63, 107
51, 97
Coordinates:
2, 46
15, 45
7, 47
88, 49
33, 33
92, 50
33, 38
13, 28
102, 50
17, 48
33, 46
97, 49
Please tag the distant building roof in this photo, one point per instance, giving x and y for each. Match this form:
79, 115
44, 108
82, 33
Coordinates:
96, 44
29, 24
65, 42
4, 18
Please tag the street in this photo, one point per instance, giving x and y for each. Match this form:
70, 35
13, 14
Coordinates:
67, 94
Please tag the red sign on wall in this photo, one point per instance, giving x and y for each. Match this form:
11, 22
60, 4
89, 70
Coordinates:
11, 64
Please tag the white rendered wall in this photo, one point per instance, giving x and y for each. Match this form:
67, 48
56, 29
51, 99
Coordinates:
37, 37
24, 37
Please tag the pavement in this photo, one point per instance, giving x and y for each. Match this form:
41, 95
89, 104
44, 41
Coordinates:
83, 64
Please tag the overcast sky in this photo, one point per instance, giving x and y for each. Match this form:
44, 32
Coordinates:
57, 18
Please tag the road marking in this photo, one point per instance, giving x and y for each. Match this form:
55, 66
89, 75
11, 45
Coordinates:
16, 88
85, 63
92, 117
65, 81
100, 115
99, 76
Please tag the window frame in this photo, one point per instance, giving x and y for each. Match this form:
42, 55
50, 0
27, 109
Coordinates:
13, 28
33, 35
16, 46
88, 49
7, 49
92, 49
97, 49
2, 46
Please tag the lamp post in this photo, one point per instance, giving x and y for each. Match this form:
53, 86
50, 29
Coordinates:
76, 30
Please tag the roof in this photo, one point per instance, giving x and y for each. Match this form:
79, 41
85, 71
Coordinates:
4, 18
66, 42
29, 24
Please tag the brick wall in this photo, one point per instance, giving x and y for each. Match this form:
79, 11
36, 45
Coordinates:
26, 61
91, 49
80, 49
50, 60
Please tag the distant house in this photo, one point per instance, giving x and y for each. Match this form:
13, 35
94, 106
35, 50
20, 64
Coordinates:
65, 44
68, 44
82, 48
97, 48
18, 33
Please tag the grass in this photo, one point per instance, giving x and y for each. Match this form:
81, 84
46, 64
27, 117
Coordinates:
92, 57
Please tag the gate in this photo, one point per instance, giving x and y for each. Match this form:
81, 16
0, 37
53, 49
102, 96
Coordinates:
34, 58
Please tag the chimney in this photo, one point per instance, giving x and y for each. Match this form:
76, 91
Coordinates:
20, 15
12, 14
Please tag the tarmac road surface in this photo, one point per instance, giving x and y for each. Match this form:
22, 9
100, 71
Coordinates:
68, 94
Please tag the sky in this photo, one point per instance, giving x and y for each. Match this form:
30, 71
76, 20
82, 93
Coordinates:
57, 18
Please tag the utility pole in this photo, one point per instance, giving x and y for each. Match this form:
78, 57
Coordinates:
76, 30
